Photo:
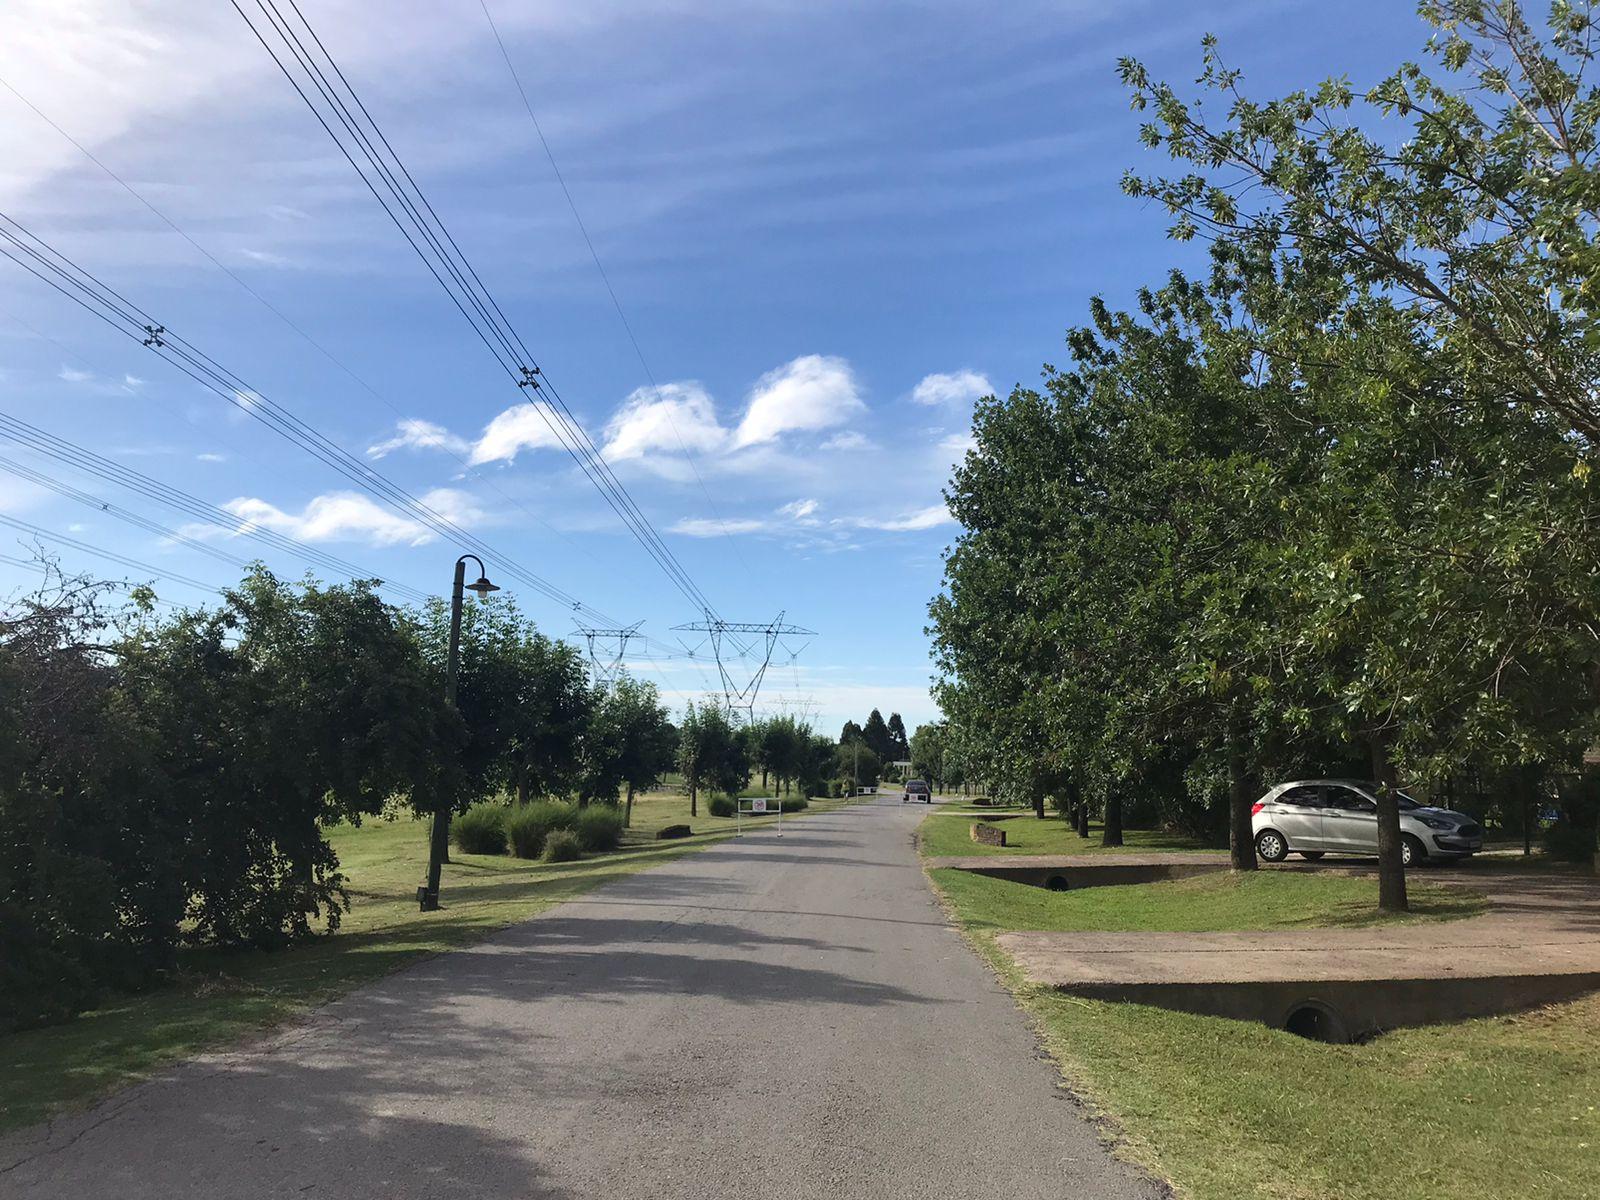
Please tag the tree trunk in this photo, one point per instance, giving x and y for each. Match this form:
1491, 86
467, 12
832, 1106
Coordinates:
763, 779
692, 810
1038, 804
1113, 831
627, 812
1391, 872
1241, 835
522, 790
1083, 817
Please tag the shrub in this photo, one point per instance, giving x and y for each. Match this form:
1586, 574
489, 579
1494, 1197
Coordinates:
669, 832
599, 827
481, 829
562, 845
528, 827
722, 806
795, 803
1567, 841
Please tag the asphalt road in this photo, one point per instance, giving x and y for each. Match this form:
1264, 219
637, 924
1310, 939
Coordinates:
785, 1017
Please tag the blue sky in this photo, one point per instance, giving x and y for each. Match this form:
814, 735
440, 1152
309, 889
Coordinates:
831, 226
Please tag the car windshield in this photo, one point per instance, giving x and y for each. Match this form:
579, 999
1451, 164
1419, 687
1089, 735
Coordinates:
1406, 802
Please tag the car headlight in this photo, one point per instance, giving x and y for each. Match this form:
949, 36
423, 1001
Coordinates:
1437, 823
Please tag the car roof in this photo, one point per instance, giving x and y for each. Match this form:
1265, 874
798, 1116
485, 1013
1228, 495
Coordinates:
1360, 783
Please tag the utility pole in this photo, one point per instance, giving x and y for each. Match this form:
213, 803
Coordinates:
439, 835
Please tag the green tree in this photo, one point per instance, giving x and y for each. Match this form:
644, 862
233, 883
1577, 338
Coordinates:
927, 753
877, 737
899, 745
1435, 305
645, 739
522, 696
693, 760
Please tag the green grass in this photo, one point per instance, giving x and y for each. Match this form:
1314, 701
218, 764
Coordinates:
1223, 901
947, 833
222, 998
1229, 1110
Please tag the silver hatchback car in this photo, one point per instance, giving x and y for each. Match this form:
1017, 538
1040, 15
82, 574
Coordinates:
1313, 817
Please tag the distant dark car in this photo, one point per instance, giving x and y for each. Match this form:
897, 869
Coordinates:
917, 789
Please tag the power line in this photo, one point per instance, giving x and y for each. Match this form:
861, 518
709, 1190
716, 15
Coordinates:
87, 461
616, 303
35, 564
68, 278
491, 325
137, 520
110, 555
264, 302
392, 185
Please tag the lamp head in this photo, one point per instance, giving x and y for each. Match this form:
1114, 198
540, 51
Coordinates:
483, 587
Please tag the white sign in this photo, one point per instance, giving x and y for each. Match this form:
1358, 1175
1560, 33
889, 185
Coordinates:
758, 806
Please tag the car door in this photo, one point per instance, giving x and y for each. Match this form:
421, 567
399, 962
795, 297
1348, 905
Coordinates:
1350, 821
1298, 816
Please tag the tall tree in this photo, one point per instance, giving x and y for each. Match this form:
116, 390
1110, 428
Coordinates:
646, 738
900, 745
876, 734
692, 757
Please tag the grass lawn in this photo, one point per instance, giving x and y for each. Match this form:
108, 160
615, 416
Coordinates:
1503, 1106
221, 998
947, 833
1257, 900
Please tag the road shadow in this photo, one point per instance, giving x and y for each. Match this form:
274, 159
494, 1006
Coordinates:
285, 1125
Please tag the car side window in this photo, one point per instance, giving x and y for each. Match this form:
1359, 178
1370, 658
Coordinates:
1350, 800
1302, 797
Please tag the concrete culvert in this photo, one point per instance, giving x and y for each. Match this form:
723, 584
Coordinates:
1316, 1022
1056, 883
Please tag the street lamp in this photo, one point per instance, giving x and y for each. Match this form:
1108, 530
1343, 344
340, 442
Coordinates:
439, 836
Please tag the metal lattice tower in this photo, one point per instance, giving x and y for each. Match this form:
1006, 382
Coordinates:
722, 634
608, 648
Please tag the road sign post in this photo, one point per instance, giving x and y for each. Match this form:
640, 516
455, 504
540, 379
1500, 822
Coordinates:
758, 808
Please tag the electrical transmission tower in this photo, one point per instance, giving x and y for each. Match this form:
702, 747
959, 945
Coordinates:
608, 649
721, 634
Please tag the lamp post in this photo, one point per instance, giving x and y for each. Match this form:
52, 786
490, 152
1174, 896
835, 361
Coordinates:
439, 836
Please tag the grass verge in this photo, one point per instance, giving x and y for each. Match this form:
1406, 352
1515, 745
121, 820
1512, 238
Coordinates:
1224, 901
222, 998
947, 833
1503, 1106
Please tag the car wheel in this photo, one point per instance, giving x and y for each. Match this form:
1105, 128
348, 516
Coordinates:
1412, 851
1311, 855
1271, 846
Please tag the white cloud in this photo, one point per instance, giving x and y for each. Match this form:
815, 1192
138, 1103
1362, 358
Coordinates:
802, 519
211, 457
812, 392
415, 434
89, 381
672, 418
266, 258
348, 516
849, 440
923, 518
957, 445
959, 387
702, 527
521, 427
664, 427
